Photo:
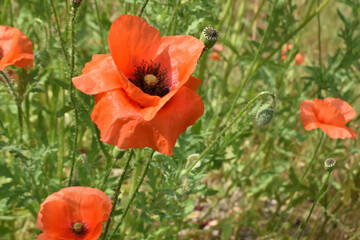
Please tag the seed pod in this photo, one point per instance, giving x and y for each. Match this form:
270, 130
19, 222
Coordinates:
209, 36
329, 164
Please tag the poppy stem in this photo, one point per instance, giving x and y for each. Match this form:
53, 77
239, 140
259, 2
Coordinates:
133, 195
17, 101
62, 43
302, 178
318, 197
143, 8
204, 153
254, 69
117, 193
71, 88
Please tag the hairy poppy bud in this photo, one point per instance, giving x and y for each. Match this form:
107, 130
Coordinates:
329, 164
264, 115
117, 153
209, 36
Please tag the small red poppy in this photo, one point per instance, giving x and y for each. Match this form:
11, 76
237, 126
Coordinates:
145, 95
73, 213
299, 59
15, 48
215, 56
330, 115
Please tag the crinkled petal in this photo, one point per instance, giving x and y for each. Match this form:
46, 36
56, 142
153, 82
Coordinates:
99, 75
337, 131
131, 40
307, 115
122, 125
55, 219
343, 107
44, 236
15, 47
327, 113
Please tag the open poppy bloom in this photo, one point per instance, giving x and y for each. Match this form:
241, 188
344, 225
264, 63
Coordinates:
330, 115
73, 213
145, 95
15, 48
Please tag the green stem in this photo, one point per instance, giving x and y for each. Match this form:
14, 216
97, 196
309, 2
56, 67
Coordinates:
133, 195
319, 47
254, 69
71, 88
143, 8
117, 193
318, 197
62, 43
17, 102
173, 16
302, 178
103, 39
204, 153
11, 14
248, 74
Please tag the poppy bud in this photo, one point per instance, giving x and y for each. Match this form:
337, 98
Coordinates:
117, 153
209, 36
299, 59
264, 115
329, 164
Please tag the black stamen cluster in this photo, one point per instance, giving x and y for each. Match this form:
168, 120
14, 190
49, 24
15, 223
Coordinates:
161, 88
83, 230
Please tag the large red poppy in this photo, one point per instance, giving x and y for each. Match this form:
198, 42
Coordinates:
73, 213
15, 48
144, 94
330, 115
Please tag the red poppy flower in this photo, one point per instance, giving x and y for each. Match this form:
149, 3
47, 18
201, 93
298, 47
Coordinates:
330, 115
215, 56
286, 47
299, 59
144, 94
15, 48
73, 213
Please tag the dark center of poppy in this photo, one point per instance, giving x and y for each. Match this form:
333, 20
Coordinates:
79, 228
151, 79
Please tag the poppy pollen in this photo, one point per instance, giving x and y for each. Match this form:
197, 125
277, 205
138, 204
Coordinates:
151, 79
79, 228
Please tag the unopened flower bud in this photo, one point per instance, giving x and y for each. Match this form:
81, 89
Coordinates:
191, 159
117, 153
209, 36
329, 164
264, 115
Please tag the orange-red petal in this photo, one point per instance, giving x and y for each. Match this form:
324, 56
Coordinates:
15, 48
299, 59
215, 56
337, 131
131, 40
73, 204
343, 107
99, 75
327, 113
122, 125
307, 115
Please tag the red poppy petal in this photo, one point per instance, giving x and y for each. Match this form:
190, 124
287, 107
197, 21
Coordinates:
99, 75
343, 107
16, 48
55, 219
45, 236
179, 55
327, 113
307, 115
122, 125
337, 131
131, 40
149, 113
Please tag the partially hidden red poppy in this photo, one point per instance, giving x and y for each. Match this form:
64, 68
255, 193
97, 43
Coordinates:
15, 48
299, 59
215, 56
330, 115
73, 213
145, 95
